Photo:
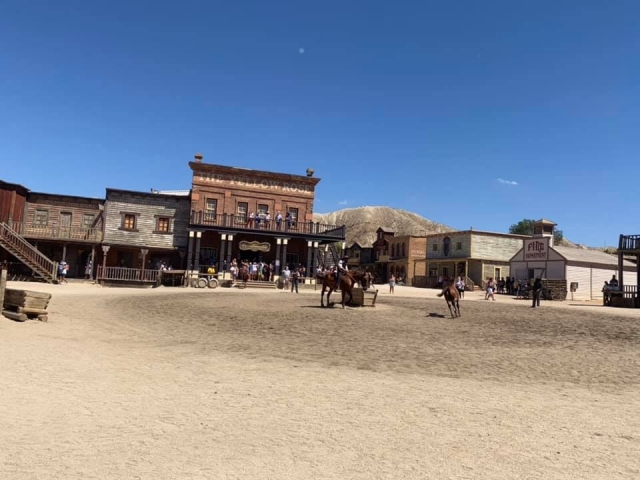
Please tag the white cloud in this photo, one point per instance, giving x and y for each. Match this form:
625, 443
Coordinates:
301, 50
507, 182
342, 202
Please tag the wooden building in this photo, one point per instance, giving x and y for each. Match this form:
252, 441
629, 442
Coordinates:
13, 202
234, 214
588, 269
382, 252
360, 256
64, 228
474, 254
406, 260
629, 247
145, 229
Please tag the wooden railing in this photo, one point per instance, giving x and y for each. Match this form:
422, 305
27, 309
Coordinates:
629, 242
27, 253
238, 222
124, 274
629, 291
59, 233
469, 284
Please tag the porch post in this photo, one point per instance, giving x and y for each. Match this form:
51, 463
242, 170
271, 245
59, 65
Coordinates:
105, 250
309, 253
93, 261
64, 252
285, 241
314, 265
144, 252
223, 238
229, 245
197, 252
621, 264
278, 242
190, 249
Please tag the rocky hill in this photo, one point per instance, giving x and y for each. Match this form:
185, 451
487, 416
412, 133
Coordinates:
362, 223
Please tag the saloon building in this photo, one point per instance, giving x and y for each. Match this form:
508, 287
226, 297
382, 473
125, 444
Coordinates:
256, 216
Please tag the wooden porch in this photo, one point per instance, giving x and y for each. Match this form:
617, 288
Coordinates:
237, 222
76, 234
629, 245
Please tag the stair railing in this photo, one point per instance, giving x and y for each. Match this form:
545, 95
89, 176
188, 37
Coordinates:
43, 264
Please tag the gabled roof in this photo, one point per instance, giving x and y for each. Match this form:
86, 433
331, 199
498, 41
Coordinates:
385, 230
544, 221
590, 256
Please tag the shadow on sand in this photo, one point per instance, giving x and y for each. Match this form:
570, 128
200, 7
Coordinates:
435, 315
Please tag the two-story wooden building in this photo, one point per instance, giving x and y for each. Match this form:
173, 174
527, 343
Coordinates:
145, 229
40, 229
475, 254
360, 256
256, 216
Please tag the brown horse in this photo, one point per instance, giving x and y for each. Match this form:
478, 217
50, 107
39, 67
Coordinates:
347, 282
243, 275
452, 296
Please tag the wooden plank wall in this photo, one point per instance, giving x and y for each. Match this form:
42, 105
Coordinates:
147, 207
58, 204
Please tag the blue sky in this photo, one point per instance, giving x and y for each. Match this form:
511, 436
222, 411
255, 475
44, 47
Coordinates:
436, 107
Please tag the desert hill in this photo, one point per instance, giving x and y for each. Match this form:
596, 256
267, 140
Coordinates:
362, 223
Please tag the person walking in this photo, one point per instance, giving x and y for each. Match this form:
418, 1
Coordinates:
392, 283
537, 292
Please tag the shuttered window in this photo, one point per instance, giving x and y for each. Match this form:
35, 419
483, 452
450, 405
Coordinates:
129, 222
163, 224
41, 218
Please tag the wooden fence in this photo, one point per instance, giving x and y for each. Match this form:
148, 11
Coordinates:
123, 274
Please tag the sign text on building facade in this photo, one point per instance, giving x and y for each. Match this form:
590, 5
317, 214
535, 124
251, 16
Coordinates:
246, 181
536, 249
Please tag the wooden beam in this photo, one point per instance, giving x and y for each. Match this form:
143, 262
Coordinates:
3, 285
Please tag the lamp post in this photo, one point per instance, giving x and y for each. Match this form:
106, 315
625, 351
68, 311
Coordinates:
229, 243
105, 250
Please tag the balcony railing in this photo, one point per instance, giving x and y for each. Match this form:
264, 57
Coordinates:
237, 222
629, 242
124, 274
80, 234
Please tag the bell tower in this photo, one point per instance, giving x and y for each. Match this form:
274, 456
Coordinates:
544, 229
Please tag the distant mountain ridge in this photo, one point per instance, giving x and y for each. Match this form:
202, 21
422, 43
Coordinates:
362, 223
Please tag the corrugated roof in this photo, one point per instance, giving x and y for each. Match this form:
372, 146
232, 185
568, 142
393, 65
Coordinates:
590, 256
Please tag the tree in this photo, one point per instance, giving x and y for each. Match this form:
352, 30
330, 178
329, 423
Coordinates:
525, 227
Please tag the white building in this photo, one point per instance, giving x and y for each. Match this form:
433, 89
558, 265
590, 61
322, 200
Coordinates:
589, 269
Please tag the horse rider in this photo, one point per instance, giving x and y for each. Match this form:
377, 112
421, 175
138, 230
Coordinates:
341, 269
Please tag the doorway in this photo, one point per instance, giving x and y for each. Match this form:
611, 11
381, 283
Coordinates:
496, 275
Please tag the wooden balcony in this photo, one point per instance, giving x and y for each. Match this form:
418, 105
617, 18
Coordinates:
127, 275
75, 234
235, 222
383, 258
629, 244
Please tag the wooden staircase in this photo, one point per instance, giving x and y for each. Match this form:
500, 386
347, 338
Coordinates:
328, 258
17, 246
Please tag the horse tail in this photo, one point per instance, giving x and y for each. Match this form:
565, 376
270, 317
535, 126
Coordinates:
441, 293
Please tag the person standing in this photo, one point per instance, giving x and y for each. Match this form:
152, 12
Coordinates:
392, 283
460, 286
295, 277
537, 292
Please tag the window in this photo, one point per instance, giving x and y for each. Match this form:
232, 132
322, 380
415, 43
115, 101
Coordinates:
163, 224
128, 221
458, 245
241, 211
208, 256
403, 252
393, 250
434, 247
263, 209
293, 213
87, 220
211, 207
445, 271
41, 218
65, 219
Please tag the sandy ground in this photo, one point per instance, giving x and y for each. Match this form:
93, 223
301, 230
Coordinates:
226, 384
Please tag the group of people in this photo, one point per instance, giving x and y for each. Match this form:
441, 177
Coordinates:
263, 220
